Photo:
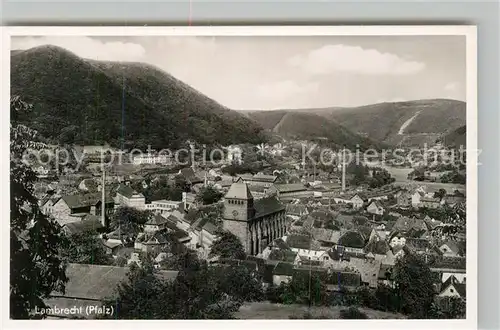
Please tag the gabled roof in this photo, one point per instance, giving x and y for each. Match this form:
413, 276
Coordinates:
267, 205
156, 238
418, 244
127, 191
157, 220
296, 209
87, 281
84, 200
282, 255
454, 247
280, 244
264, 177
404, 224
88, 223
458, 263
377, 246
376, 203
239, 190
299, 241
290, 187
459, 287
352, 239
283, 268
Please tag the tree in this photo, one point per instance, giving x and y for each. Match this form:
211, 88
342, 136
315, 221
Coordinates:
139, 297
440, 193
227, 246
352, 313
208, 195
380, 177
304, 288
85, 248
36, 269
239, 283
414, 286
129, 220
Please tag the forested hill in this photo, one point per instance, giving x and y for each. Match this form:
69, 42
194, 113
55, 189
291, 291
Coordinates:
311, 126
409, 122
80, 101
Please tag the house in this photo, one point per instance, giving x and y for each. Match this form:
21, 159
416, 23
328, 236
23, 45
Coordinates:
450, 249
46, 204
126, 196
377, 246
71, 208
460, 275
190, 176
90, 286
155, 223
356, 201
430, 202
375, 207
188, 200
205, 232
87, 223
403, 198
164, 206
258, 191
352, 241
89, 185
234, 154
409, 227
369, 270
416, 198
282, 272
297, 210
112, 246
418, 245
154, 242
453, 200
453, 288
151, 158
289, 191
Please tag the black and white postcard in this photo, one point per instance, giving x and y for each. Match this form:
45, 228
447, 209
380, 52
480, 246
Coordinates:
251, 173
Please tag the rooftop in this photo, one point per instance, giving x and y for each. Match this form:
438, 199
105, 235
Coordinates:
290, 187
239, 190
267, 205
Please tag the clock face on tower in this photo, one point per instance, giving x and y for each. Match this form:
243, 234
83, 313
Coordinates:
235, 213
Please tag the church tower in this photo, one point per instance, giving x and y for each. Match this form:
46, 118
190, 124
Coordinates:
238, 211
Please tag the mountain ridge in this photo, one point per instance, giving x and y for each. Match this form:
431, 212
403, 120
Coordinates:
383, 121
79, 101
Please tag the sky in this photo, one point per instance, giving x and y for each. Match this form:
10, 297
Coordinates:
267, 73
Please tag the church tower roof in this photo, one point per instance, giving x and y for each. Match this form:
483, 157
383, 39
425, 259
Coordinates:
239, 190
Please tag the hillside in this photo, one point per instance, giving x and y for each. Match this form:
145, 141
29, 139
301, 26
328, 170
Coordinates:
80, 101
456, 138
310, 126
410, 123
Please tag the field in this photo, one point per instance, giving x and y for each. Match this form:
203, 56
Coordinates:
266, 310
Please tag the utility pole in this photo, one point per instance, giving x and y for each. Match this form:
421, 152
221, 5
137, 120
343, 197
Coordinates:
310, 279
103, 199
343, 169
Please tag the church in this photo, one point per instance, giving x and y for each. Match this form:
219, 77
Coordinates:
255, 222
